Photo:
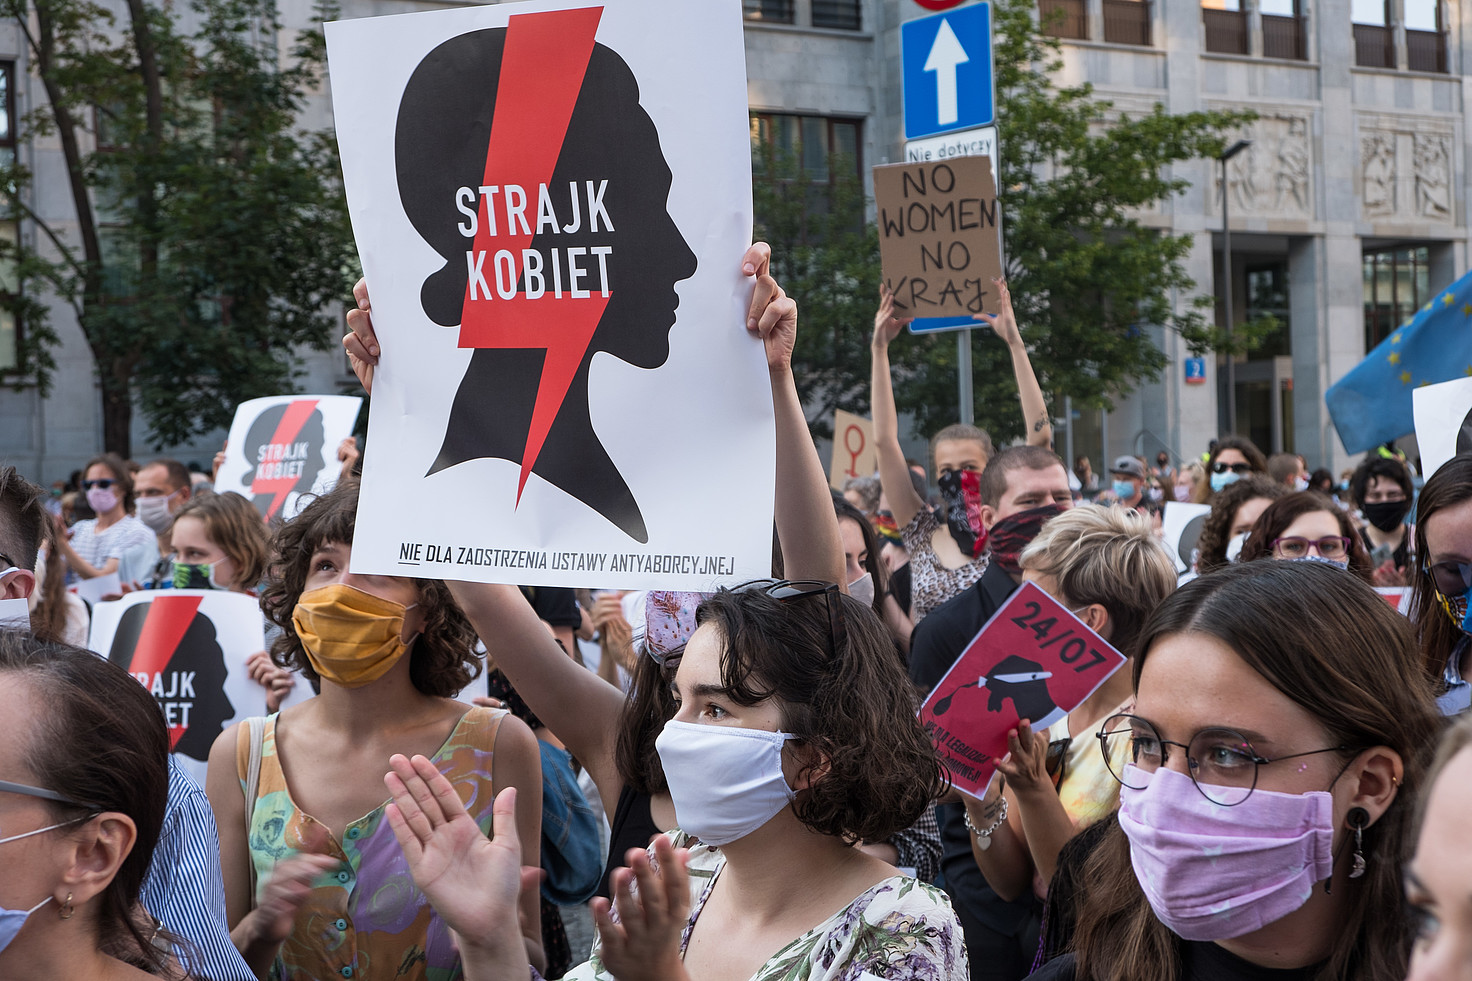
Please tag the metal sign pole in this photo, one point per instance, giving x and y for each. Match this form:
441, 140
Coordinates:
963, 372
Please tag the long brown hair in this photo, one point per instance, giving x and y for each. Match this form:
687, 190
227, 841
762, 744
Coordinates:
1329, 643
1438, 636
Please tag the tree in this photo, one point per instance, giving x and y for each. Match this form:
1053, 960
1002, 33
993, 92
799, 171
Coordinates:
1089, 281
211, 236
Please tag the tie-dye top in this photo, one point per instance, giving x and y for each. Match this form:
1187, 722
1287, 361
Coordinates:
364, 918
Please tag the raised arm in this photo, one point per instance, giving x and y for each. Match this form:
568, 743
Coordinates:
807, 525
894, 474
1034, 407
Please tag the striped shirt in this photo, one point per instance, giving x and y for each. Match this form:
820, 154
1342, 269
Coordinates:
184, 888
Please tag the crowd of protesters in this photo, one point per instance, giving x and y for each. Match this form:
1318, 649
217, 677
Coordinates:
461, 780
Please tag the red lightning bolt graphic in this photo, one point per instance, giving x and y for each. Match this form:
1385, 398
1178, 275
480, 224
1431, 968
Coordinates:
542, 68
168, 619
286, 430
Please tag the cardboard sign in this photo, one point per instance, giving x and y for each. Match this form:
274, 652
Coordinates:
551, 201
1180, 529
188, 647
1443, 422
284, 447
1033, 660
940, 236
854, 454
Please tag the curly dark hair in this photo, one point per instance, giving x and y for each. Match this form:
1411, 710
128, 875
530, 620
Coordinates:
1286, 510
874, 769
1216, 530
1379, 466
442, 660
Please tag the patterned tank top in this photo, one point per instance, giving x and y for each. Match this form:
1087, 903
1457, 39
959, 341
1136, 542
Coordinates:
364, 919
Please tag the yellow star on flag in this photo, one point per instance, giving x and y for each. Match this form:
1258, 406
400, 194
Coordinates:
1423, 384
1469, 369
1427, 306
1448, 299
1396, 338
1395, 357
1467, 309
1405, 377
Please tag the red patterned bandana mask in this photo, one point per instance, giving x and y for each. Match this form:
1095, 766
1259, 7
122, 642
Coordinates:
961, 490
1013, 533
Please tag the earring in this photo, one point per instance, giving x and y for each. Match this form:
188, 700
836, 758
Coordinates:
66, 910
1359, 819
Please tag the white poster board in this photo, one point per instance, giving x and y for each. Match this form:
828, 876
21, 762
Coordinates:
1443, 415
1180, 528
189, 647
551, 206
285, 446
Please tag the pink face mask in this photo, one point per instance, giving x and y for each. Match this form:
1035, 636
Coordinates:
1213, 872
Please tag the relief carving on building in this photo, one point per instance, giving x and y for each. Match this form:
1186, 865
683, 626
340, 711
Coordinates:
1274, 177
1407, 169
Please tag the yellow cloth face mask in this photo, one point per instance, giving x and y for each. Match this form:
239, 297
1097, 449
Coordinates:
352, 638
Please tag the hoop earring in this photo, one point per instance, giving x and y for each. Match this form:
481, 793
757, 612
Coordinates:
67, 909
1359, 819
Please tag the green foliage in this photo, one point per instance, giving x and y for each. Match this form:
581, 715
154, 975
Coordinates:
221, 233
1094, 288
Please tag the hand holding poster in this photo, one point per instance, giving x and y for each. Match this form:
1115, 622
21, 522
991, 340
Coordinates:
1033, 660
854, 453
189, 647
551, 200
940, 237
284, 446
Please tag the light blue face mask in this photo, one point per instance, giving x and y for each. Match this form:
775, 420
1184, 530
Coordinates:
1222, 480
12, 920
1124, 490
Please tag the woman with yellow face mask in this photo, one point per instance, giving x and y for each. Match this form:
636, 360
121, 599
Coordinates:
315, 885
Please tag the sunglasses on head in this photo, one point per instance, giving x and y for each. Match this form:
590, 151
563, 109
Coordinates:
1240, 469
102, 484
785, 590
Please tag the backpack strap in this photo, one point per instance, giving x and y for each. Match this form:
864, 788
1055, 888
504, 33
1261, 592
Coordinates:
257, 729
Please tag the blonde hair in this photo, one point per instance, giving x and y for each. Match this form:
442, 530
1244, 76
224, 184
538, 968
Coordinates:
1109, 556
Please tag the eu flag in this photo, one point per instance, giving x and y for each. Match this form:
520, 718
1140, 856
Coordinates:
1372, 403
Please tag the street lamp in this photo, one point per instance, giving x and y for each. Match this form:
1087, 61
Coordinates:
1226, 155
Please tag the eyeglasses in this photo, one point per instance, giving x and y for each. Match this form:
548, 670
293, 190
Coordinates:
1330, 547
1221, 762
101, 484
1452, 578
785, 590
1240, 469
26, 790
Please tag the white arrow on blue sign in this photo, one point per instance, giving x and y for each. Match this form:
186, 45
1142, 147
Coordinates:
947, 70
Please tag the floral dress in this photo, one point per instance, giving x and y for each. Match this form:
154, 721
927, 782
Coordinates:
898, 928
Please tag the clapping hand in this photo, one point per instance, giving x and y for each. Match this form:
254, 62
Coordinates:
644, 944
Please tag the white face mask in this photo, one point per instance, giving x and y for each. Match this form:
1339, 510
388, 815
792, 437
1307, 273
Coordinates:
1300, 483
862, 589
725, 781
15, 614
154, 512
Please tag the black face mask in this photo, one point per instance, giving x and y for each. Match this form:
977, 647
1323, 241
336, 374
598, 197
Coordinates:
1386, 515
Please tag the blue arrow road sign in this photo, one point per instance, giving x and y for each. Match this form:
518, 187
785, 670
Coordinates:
947, 70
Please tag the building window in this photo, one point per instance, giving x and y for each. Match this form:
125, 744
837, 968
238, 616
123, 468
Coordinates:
1127, 21
1226, 26
1064, 18
817, 144
768, 11
1267, 296
1425, 41
843, 15
1282, 30
1374, 42
1397, 283
9, 229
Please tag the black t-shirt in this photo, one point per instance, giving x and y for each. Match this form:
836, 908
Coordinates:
1200, 961
935, 645
899, 587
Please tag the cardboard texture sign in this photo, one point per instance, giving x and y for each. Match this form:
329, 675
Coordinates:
1032, 660
551, 201
1443, 416
854, 454
940, 236
284, 447
189, 647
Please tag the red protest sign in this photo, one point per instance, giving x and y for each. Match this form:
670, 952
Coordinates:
1033, 660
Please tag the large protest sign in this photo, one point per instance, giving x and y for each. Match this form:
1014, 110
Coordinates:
551, 206
285, 446
1032, 660
1181, 529
940, 241
188, 647
854, 453
1443, 416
